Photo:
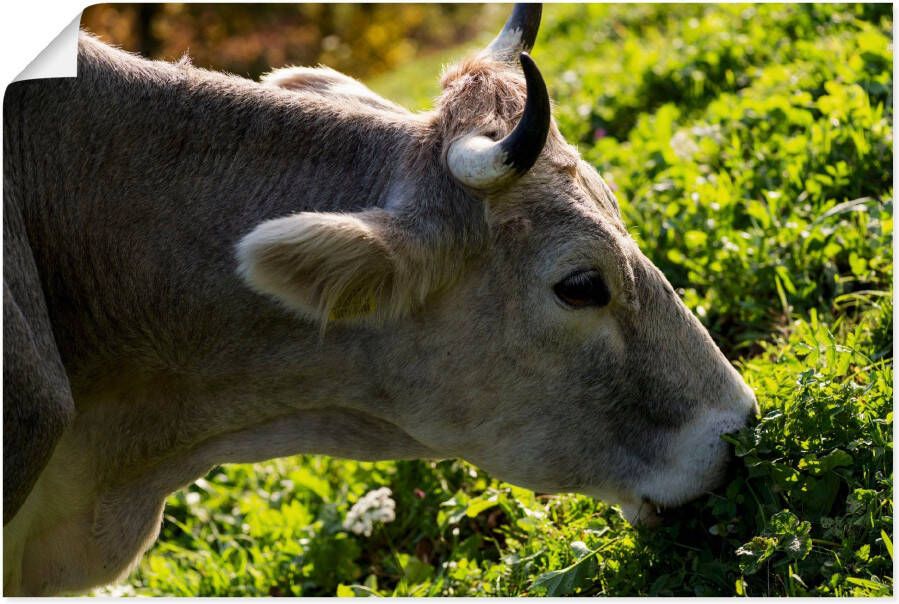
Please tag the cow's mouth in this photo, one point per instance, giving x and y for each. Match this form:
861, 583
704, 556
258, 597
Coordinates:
643, 513
651, 514
657, 507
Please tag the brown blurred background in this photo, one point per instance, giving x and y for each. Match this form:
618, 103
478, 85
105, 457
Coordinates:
362, 40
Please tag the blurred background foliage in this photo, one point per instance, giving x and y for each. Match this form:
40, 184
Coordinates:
361, 40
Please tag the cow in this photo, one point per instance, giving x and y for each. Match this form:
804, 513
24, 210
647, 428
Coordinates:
202, 269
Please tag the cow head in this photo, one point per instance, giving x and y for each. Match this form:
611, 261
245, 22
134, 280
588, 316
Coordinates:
513, 321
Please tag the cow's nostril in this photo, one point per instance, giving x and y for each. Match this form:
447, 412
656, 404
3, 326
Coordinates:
753, 417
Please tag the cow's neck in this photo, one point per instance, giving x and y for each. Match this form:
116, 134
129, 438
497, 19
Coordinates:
153, 172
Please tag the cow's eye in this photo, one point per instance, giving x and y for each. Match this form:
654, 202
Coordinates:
583, 288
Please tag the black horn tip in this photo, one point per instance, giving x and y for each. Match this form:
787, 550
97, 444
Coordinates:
519, 33
526, 141
526, 17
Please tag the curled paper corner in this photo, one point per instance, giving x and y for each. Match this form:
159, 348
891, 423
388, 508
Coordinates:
60, 57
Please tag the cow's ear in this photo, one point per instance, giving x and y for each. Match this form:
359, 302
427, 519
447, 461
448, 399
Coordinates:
328, 266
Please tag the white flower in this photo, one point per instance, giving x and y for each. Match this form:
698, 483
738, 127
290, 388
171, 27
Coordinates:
683, 146
374, 506
114, 591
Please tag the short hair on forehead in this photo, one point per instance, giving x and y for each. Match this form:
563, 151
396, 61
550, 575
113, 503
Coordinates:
563, 155
481, 94
597, 189
564, 197
485, 96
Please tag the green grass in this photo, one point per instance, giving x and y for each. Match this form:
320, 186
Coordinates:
751, 150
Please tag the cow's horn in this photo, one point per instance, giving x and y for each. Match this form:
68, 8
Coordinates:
518, 33
481, 163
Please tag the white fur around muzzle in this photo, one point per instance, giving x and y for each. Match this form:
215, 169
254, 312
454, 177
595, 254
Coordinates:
697, 456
